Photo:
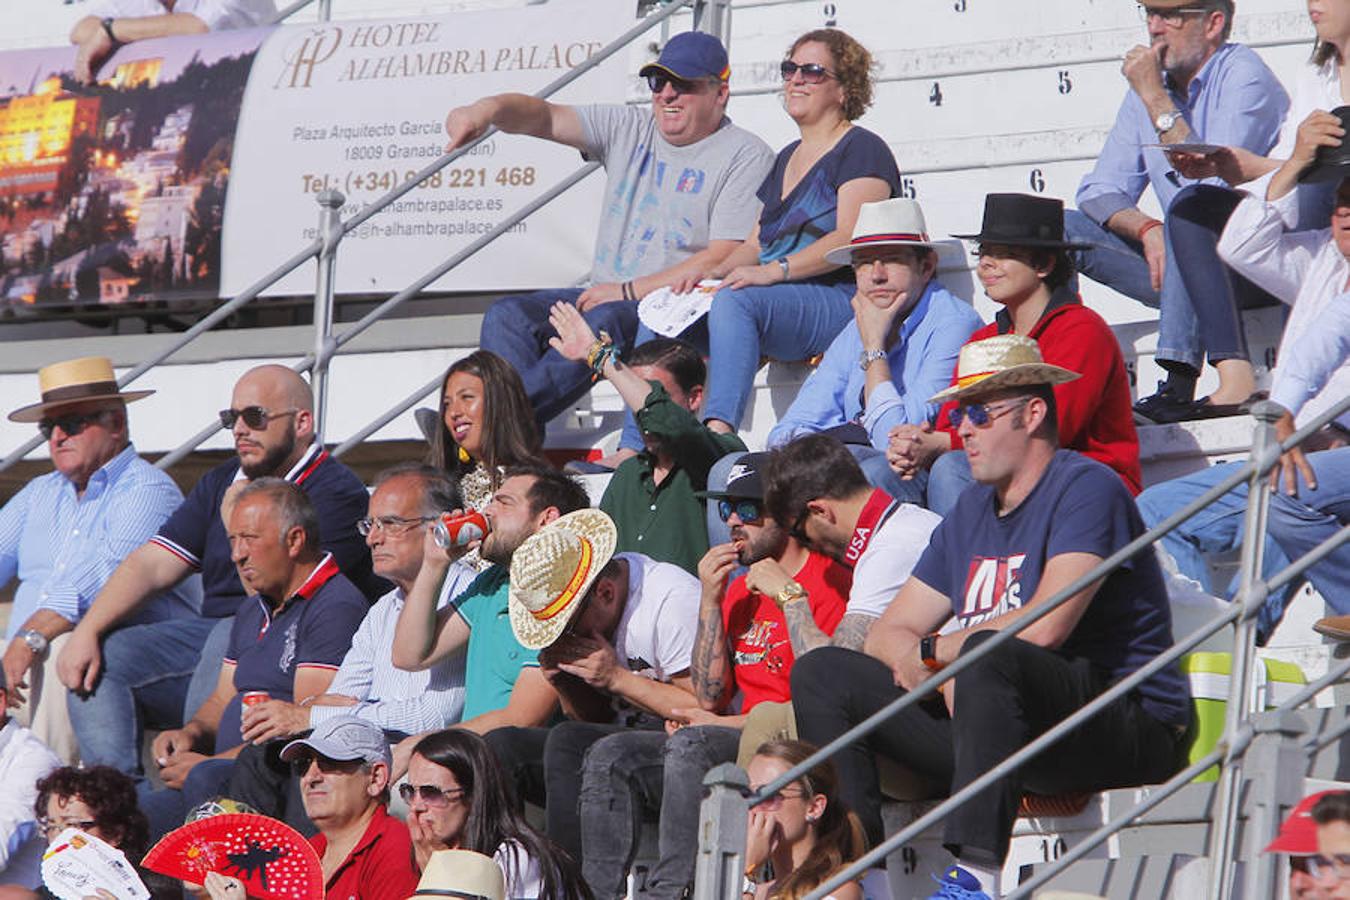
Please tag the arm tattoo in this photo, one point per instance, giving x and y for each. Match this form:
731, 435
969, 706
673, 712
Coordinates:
852, 631
803, 632
710, 669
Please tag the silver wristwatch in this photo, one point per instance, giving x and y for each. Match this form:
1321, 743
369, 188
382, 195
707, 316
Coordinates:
1166, 121
870, 356
35, 640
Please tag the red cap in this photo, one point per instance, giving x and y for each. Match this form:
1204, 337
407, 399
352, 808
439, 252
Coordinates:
1298, 833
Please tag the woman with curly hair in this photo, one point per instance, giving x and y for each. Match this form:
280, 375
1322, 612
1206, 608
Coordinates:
803, 834
458, 799
779, 296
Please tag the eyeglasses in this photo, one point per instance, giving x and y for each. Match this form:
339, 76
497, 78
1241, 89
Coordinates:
812, 73
430, 794
393, 525
56, 826
300, 765
1172, 18
1323, 867
774, 801
255, 417
657, 82
71, 424
748, 511
982, 414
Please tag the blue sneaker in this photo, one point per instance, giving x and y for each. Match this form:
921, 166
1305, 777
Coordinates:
958, 884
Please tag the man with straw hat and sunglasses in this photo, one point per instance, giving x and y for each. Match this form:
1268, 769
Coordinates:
65, 532
615, 635
1037, 518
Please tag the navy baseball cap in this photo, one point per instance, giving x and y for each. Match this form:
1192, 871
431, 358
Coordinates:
690, 55
744, 481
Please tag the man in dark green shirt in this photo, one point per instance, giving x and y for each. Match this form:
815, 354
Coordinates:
651, 496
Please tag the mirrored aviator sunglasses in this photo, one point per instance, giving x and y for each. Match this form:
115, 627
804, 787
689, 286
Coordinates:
748, 511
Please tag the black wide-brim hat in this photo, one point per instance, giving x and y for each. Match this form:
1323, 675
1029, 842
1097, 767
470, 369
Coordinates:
1331, 163
1023, 220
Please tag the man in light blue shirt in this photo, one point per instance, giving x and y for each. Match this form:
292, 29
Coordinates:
65, 532
899, 350
1188, 86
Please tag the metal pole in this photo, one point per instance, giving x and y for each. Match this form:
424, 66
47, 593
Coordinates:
388, 416
1265, 449
1277, 764
325, 10
714, 17
330, 231
719, 871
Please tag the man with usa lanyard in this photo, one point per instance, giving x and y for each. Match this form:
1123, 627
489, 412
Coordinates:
140, 676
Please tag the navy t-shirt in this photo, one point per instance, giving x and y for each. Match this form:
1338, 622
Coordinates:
196, 534
808, 212
313, 629
990, 564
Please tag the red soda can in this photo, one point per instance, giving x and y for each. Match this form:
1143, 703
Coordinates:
457, 531
253, 698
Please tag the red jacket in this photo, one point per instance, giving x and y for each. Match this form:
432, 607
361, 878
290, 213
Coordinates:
1095, 414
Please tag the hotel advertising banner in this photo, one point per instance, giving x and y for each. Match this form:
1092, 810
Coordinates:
114, 192
358, 106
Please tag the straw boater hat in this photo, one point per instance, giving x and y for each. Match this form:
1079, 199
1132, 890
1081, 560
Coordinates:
552, 571
75, 381
461, 873
1001, 361
897, 222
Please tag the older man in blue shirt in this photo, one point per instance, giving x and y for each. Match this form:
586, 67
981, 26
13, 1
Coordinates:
1188, 86
899, 350
65, 532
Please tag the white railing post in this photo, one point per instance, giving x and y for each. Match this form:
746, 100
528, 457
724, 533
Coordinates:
1278, 764
330, 232
720, 871
714, 17
1251, 594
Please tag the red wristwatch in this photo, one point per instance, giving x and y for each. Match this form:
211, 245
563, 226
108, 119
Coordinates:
928, 652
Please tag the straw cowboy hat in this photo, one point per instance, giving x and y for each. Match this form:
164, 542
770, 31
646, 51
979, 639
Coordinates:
552, 571
75, 381
1001, 361
461, 873
897, 222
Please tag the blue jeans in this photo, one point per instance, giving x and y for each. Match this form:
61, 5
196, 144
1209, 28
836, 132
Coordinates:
144, 684
167, 807
1215, 529
516, 329
949, 476
207, 674
1300, 523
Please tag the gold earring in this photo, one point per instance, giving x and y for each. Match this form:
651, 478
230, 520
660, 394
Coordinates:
464, 456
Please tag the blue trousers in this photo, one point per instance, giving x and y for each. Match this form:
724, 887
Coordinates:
1300, 523
516, 329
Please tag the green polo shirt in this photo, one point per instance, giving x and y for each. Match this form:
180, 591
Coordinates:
495, 657
666, 521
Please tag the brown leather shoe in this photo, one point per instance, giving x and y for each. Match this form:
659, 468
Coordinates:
1335, 627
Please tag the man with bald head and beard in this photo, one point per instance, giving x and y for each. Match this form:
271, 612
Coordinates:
125, 679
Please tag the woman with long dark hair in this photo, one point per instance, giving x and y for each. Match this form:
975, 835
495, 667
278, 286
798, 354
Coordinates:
802, 835
458, 799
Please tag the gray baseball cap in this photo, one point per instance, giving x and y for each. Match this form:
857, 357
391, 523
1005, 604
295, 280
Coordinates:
343, 738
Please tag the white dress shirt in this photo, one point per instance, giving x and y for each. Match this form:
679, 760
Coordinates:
23, 760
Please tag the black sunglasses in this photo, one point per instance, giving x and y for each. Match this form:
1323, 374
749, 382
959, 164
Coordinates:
71, 424
812, 73
981, 414
430, 794
300, 765
255, 417
657, 82
749, 511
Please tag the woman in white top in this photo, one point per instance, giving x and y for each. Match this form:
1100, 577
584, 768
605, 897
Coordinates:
802, 835
458, 799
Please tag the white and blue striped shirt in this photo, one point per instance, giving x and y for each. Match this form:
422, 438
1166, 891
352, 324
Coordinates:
63, 547
395, 700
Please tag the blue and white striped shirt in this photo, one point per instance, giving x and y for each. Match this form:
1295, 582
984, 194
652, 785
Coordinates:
395, 700
63, 547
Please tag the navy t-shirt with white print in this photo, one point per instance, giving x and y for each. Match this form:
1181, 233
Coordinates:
990, 564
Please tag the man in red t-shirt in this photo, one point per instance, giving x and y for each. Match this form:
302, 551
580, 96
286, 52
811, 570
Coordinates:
744, 647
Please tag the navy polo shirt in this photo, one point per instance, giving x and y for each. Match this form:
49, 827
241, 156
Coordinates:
312, 629
196, 534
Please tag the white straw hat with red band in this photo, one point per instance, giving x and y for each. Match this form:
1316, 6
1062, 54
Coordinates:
897, 222
1001, 361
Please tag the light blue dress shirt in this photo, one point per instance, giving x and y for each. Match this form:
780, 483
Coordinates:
921, 361
64, 547
1234, 101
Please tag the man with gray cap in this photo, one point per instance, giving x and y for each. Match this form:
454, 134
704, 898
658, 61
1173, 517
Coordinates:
680, 197
343, 767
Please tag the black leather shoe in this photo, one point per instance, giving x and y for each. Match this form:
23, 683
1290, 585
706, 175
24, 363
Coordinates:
1165, 406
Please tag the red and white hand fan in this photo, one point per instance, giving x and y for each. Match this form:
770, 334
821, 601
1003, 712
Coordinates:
272, 859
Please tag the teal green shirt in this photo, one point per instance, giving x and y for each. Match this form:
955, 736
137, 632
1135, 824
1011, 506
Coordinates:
495, 657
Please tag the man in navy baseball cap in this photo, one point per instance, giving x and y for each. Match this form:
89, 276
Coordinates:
688, 56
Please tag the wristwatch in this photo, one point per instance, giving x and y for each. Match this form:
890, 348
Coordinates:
928, 652
36, 641
1166, 121
107, 23
789, 592
870, 356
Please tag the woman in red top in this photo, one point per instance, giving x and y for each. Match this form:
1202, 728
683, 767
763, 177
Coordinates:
1024, 267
